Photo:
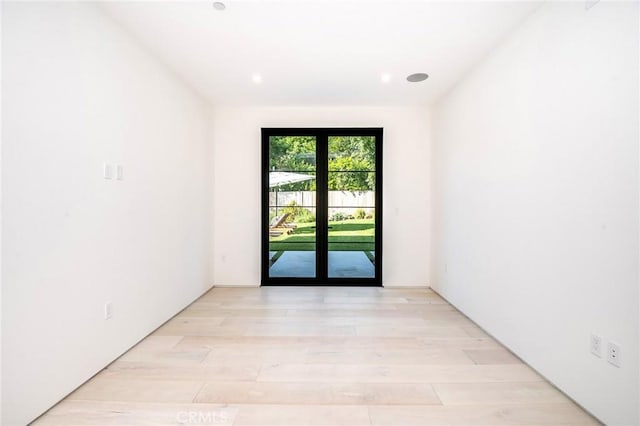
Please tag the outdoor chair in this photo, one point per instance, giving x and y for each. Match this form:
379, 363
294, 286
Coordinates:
277, 225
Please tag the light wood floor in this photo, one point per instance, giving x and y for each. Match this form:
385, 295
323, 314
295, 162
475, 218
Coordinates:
318, 356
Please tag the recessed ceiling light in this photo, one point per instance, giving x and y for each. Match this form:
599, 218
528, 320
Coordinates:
417, 77
218, 5
256, 78
385, 78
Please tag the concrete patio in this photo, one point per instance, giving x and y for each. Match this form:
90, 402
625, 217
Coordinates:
342, 264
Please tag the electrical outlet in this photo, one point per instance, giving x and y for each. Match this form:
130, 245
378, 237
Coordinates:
596, 345
108, 310
107, 172
119, 172
613, 354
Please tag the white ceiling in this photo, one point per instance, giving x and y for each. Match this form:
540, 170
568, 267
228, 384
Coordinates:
313, 52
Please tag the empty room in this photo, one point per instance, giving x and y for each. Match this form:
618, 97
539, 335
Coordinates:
320, 212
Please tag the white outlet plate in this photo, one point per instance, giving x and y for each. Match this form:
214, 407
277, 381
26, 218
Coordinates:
107, 171
588, 4
596, 345
119, 172
613, 354
108, 310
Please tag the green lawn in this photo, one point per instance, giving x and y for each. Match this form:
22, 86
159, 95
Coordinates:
345, 235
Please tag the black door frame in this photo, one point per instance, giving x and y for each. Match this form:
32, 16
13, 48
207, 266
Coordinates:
322, 138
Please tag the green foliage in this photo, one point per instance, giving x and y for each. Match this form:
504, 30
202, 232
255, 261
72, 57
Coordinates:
355, 156
345, 179
298, 214
293, 209
361, 148
338, 216
351, 158
293, 154
306, 217
360, 214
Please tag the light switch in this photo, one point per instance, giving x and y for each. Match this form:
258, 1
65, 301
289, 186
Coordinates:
119, 172
108, 171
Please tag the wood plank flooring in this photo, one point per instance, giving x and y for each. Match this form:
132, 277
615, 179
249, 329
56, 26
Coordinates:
318, 356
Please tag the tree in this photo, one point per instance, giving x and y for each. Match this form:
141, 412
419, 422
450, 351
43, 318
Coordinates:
293, 154
351, 161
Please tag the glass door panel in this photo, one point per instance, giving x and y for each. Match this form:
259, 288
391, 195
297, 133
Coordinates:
292, 207
351, 206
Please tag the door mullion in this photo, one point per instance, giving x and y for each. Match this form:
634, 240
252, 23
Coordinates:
322, 195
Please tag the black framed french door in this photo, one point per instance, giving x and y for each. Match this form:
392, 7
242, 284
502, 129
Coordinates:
321, 206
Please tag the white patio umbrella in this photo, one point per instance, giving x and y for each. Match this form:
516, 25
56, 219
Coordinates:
277, 179
283, 178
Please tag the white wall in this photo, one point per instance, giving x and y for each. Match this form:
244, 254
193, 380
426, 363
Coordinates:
236, 186
1, 7
77, 91
536, 198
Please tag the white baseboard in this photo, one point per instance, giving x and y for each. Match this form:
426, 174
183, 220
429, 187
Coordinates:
236, 286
